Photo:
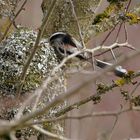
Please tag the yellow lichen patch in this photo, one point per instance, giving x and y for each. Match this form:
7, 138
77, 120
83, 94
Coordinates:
133, 18
120, 82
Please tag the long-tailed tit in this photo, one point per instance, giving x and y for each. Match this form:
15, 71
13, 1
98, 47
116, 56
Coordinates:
64, 45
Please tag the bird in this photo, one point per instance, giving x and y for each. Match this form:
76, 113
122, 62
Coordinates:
64, 44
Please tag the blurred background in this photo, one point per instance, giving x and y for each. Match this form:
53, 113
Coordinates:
128, 124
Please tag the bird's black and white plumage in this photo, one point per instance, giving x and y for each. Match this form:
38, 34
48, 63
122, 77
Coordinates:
64, 45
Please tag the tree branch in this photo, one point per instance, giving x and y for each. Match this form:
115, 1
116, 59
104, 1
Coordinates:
35, 47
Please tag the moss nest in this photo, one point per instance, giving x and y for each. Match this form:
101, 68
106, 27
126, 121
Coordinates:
14, 52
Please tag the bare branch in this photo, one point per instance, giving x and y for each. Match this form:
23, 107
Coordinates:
128, 5
113, 128
77, 22
49, 134
24, 105
113, 46
12, 136
108, 35
135, 88
126, 33
35, 47
118, 32
91, 115
13, 20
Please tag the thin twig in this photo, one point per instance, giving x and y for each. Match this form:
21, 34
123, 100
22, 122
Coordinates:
118, 32
99, 4
113, 54
24, 105
128, 5
126, 33
78, 25
94, 98
81, 117
12, 136
113, 128
130, 96
93, 61
36, 102
35, 47
108, 35
135, 88
114, 46
49, 134
13, 20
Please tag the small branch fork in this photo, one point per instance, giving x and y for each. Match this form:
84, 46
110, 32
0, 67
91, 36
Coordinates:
120, 23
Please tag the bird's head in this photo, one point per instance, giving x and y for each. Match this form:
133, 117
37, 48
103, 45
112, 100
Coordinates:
64, 44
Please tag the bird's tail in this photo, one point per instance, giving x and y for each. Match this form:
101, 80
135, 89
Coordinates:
118, 70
